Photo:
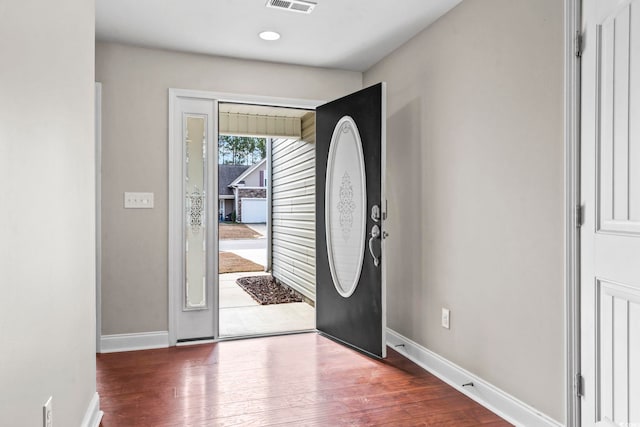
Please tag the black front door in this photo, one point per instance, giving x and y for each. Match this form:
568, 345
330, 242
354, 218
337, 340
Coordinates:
350, 210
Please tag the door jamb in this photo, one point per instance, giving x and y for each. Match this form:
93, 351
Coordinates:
385, 214
572, 28
98, 214
269, 206
175, 217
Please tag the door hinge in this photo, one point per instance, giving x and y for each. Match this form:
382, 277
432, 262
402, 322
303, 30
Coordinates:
579, 385
579, 44
579, 216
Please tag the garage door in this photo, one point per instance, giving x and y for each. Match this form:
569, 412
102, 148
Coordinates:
254, 211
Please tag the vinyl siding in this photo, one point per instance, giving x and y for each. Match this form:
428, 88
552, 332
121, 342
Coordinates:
293, 210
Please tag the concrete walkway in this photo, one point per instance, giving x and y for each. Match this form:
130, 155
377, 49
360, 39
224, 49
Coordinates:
259, 228
252, 249
241, 315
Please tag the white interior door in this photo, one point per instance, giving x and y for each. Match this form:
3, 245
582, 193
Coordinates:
610, 235
194, 184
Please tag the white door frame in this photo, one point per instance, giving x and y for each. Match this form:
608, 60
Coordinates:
572, 28
175, 252
98, 216
269, 171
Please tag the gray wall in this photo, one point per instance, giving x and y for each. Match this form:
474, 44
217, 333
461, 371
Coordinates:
475, 172
135, 109
47, 237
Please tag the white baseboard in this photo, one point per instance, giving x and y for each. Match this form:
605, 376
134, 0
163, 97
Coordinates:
93, 416
130, 342
489, 396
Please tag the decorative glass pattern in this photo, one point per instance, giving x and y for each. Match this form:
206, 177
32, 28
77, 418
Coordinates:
345, 206
195, 160
196, 203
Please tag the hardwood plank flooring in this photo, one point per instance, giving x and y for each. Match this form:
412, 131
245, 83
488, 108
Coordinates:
298, 380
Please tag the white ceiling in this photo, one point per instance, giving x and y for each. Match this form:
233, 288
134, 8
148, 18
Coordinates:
345, 34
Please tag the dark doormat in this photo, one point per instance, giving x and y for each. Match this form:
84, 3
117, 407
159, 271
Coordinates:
265, 290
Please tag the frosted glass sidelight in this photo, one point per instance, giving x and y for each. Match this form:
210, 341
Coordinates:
195, 160
345, 206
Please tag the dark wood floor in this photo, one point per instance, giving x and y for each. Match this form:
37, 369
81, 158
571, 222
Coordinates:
301, 380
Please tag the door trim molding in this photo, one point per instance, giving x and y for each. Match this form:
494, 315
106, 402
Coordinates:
174, 224
98, 215
483, 392
385, 215
269, 191
175, 185
572, 27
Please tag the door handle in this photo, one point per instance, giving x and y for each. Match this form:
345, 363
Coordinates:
375, 234
375, 213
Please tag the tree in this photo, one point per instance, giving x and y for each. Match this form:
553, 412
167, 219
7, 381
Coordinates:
241, 150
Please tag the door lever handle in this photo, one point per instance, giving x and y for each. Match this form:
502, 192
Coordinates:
375, 213
375, 234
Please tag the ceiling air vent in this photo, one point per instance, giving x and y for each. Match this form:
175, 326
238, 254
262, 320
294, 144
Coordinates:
292, 5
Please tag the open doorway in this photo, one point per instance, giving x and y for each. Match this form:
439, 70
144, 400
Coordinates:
299, 211
266, 210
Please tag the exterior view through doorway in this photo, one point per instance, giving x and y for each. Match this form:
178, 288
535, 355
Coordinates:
266, 187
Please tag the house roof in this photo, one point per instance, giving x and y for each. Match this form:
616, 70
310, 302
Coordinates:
248, 172
226, 175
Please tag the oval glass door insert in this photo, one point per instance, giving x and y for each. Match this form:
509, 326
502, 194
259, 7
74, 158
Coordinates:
345, 206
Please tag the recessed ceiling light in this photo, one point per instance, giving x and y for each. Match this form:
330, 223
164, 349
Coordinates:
269, 35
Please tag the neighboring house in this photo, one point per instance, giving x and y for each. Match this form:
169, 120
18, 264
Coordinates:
226, 196
241, 186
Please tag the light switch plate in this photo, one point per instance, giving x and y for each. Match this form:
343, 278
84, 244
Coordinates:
445, 317
138, 200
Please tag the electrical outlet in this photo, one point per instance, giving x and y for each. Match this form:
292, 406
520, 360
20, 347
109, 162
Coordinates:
445, 317
47, 413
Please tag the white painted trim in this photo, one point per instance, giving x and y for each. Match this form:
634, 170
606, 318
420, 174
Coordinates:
269, 173
572, 25
98, 207
93, 414
246, 173
213, 239
383, 209
486, 394
175, 221
138, 341
309, 104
